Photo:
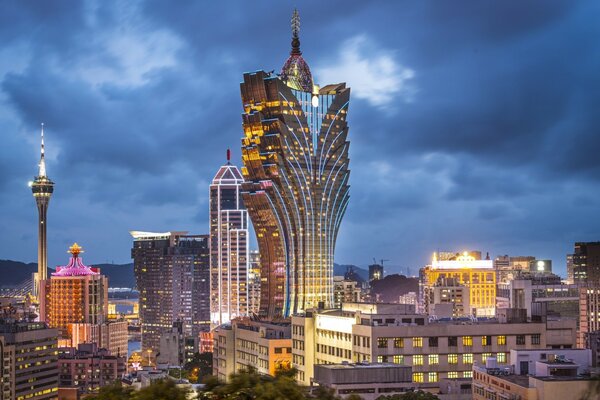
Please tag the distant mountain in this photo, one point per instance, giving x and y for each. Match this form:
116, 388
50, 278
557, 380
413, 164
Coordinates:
341, 269
13, 273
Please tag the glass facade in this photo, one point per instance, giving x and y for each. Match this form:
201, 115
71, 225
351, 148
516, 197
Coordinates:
295, 154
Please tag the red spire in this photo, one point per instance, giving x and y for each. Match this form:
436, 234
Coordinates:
228, 156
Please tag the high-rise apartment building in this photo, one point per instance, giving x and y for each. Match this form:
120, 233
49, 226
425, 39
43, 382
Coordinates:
42, 188
29, 360
228, 246
570, 272
173, 277
586, 263
295, 154
254, 283
75, 293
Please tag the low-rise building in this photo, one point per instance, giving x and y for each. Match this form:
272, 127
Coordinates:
28, 361
369, 381
89, 368
394, 333
243, 344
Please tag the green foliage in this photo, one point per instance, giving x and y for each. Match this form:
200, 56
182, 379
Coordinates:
199, 368
161, 390
418, 395
113, 392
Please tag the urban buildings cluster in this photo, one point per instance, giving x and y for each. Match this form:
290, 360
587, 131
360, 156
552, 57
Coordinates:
473, 327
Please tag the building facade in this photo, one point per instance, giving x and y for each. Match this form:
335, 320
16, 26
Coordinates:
173, 277
228, 246
242, 344
586, 263
254, 283
42, 188
371, 332
295, 154
29, 360
74, 294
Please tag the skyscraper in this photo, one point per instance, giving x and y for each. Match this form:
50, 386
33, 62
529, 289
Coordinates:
586, 263
296, 189
74, 294
42, 188
228, 246
172, 274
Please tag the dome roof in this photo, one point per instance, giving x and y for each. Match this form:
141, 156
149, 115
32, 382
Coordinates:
295, 72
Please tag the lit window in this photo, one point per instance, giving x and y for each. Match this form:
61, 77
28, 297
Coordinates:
417, 342
467, 374
418, 377
501, 357
467, 358
398, 342
432, 377
418, 359
452, 358
452, 375
485, 356
398, 359
501, 340
434, 359
467, 340
486, 340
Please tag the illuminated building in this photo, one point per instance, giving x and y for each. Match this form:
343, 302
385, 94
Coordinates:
375, 272
478, 275
394, 333
265, 346
586, 263
345, 291
254, 283
570, 273
29, 357
42, 188
448, 298
75, 293
228, 246
295, 154
112, 336
172, 274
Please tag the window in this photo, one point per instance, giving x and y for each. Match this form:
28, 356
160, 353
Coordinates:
382, 359
434, 359
468, 374
398, 359
452, 358
417, 359
501, 357
452, 341
485, 356
278, 350
418, 377
467, 358
432, 377
417, 342
382, 342
452, 375
467, 340
486, 340
536, 339
433, 342
398, 342
520, 339
501, 340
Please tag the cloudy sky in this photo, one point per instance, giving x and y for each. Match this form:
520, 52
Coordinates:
473, 124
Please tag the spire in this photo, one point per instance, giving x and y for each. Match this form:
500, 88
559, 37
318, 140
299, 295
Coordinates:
42, 171
295, 33
228, 157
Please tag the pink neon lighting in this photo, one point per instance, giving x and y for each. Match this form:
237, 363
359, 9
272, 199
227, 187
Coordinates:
74, 268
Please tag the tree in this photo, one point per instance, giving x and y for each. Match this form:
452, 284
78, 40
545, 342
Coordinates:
200, 367
418, 395
164, 389
113, 392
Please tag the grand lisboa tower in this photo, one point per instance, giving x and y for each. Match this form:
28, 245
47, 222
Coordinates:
295, 155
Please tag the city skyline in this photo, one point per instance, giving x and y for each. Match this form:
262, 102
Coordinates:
506, 177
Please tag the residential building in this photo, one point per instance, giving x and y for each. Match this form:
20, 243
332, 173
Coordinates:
172, 346
589, 313
447, 292
375, 272
345, 291
570, 272
375, 332
586, 263
367, 380
111, 335
29, 360
42, 188
254, 283
476, 274
173, 277
296, 190
266, 346
533, 375
89, 367
74, 294
229, 263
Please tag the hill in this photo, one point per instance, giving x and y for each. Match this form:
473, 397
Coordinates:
341, 269
388, 289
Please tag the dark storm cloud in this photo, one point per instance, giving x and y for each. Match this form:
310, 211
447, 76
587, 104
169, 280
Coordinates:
472, 123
